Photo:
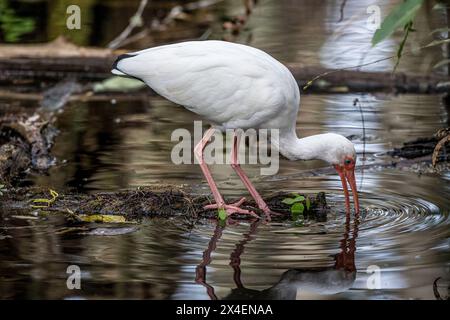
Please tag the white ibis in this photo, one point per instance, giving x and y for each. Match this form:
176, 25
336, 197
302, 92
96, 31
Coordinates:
237, 87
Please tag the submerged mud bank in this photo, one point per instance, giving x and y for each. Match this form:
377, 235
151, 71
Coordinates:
434, 145
133, 205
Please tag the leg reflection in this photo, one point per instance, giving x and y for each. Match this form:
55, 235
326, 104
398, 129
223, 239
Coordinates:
200, 271
322, 280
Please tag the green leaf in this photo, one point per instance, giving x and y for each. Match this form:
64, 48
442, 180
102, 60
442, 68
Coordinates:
299, 199
399, 17
222, 214
308, 203
288, 201
297, 208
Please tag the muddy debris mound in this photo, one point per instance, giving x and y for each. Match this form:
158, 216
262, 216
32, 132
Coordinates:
135, 204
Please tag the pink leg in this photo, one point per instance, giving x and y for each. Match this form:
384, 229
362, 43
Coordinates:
220, 203
245, 180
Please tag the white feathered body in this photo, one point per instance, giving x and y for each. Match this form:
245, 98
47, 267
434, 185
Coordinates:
235, 87
231, 85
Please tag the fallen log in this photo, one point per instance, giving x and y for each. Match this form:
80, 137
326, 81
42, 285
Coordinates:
60, 60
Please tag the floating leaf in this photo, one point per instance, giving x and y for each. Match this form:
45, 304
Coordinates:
399, 17
222, 214
102, 218
288, 201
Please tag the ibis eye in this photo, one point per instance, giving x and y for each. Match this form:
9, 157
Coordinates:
348, 161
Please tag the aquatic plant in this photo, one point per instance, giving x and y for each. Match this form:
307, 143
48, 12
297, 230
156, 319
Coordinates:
298, 204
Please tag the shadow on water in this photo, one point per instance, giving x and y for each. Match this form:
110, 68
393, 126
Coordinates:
321, 280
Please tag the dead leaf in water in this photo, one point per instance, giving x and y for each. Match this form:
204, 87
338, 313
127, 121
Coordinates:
46, 202
102, 218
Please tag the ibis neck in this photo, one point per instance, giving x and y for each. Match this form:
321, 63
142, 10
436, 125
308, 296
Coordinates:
295, 148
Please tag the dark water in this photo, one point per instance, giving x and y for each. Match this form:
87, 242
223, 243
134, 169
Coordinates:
118, 145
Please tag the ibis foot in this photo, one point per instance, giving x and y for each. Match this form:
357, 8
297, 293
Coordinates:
232, 208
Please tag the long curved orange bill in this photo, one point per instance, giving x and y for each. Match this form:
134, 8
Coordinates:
350, 175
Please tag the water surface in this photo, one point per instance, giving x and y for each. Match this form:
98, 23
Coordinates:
112, 145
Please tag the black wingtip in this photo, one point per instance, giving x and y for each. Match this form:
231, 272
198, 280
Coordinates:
121, 57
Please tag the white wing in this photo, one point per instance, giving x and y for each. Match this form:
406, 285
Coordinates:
233, 85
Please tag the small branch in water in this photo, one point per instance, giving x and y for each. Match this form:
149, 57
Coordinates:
356, 102
343, 3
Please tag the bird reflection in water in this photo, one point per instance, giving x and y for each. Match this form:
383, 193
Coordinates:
322, 280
